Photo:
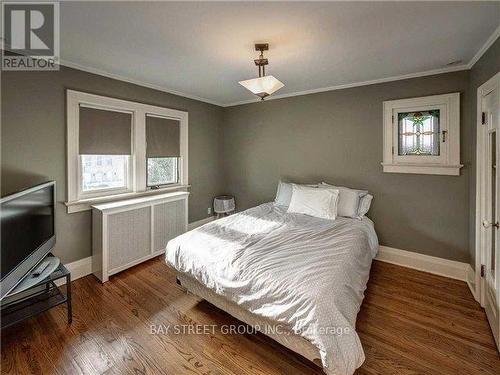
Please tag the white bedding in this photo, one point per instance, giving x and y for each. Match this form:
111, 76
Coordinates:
305, 273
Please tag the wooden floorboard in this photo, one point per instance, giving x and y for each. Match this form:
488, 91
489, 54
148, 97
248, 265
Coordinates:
410, 323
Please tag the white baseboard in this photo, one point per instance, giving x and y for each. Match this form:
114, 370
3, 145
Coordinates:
83, 267
78, 269
438, 266
199, 223
471, 282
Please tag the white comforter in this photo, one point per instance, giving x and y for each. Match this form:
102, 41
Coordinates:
305, 273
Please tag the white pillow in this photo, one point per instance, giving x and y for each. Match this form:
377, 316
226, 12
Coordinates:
364, 205
284, 193
349, 200
312, 201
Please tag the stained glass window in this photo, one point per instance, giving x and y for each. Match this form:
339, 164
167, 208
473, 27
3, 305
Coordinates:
418, 133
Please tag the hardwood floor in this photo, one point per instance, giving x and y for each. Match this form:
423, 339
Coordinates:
410, 323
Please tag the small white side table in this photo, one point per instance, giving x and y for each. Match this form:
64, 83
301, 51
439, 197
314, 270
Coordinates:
224, 205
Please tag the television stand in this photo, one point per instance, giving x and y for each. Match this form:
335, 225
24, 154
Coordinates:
38, 298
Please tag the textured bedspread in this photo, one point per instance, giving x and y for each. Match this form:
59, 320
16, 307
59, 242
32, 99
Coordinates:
304, 273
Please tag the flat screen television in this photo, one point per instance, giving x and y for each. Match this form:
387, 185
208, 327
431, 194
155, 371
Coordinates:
27, 232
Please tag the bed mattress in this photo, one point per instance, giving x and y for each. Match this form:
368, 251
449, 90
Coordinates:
303, 273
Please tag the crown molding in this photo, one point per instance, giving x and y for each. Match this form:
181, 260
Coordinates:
493, 37
357, 84
489, 42
485, 47
119, 77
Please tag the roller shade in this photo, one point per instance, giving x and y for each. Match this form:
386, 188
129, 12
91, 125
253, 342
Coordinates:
103, 132
162, 137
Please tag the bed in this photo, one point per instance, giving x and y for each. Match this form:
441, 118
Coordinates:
296, 278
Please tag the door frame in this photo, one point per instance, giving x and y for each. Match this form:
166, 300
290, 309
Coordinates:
481, 186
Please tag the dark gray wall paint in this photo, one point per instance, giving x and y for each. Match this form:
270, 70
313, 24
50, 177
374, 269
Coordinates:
34, 142
336, 136
487, 66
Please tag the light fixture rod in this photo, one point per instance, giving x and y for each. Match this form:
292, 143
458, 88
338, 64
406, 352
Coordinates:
263, 86
261, 57
261, 62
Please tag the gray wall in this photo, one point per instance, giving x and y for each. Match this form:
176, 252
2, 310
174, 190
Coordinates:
336, 136
487, 66
34, 142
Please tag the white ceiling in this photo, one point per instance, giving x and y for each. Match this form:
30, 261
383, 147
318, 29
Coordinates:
202, 49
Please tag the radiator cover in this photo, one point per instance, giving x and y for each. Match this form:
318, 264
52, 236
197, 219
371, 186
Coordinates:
128, 232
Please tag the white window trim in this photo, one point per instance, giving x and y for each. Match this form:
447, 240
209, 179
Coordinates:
448, 163
76, 201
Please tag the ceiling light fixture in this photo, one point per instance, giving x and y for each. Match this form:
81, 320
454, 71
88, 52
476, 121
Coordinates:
264, 85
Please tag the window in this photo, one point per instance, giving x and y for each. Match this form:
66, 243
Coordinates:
104, 147
422, 135
162, 150
104, 172
118, 148
162, 171
418, 133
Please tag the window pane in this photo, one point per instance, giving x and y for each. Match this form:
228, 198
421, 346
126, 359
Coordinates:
162, 171
418, 133
104, 172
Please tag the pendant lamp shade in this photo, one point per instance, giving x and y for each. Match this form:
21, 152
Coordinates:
262, 86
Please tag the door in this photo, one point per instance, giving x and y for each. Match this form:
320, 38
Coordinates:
490, 104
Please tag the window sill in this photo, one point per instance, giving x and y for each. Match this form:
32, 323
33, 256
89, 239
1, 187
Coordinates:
447, 170
85, 204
